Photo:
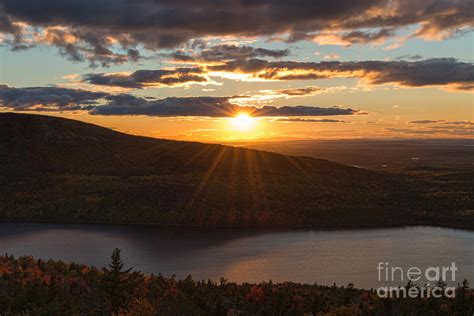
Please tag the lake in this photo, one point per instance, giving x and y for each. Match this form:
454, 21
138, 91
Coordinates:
249, 255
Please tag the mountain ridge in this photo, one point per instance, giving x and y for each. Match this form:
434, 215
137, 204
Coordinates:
36, 131
55, 169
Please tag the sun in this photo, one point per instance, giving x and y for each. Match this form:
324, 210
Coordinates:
243, 122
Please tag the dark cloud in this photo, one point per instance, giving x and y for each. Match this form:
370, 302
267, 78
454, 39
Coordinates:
205, 106
460, 123
447, 72
301, 91
460, 131
301, 110
47, 98
7, 26
430, 127
443, 122
410, 131
425, 122
89, 45
126, 104
360, 37
409, 57
148, 78
114, 31
302, 120
229, 52
99, 103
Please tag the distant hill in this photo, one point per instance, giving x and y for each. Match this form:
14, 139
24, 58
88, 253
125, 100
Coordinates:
394, 155
55, 169
36, 143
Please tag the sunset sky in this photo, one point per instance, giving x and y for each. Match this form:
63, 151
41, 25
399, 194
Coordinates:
296, 69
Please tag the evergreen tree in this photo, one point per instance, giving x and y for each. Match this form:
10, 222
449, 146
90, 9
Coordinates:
117, 281
465, 285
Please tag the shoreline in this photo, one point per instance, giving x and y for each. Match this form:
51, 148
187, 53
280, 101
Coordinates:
276, 227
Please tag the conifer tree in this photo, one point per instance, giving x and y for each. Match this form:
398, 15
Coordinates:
117, 280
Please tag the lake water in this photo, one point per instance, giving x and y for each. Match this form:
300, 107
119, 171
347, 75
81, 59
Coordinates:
249, 255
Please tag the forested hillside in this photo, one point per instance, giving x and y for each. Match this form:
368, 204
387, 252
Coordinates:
55, 169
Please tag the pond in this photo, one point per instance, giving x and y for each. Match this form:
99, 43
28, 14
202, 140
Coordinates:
250, 255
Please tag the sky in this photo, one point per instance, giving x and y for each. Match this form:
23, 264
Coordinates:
230, 70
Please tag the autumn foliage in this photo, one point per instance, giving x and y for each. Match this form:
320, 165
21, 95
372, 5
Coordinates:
31, 286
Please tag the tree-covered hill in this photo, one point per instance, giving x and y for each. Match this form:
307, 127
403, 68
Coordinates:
55, 169
34, 143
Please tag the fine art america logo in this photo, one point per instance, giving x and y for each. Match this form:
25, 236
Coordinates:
436, 281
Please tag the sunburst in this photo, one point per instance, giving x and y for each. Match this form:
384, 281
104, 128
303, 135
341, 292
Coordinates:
243, 122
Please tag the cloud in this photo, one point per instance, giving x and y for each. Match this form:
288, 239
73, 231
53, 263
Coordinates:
425, 122
332, 56
126, 104
461, 131
460, 123
48, 98
101, 103
359, 37
447, 72
87, 45
205, 106
302, 120
267, 95
410, 131
443, 122
409, 57
306, 91
438, 127
342, 38
221, 53
149, 78
116, 31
